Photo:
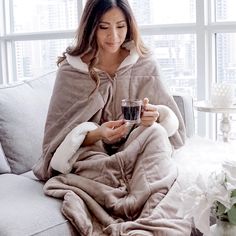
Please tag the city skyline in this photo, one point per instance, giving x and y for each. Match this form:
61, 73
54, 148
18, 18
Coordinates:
175, 53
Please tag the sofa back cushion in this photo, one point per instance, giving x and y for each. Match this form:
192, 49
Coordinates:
185, 104
23, 110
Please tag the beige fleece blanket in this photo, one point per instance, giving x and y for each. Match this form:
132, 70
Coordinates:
133, 192
136, 190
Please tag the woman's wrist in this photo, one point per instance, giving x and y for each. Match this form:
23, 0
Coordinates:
92, 137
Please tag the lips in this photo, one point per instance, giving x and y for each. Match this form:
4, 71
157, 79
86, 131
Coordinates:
112, 44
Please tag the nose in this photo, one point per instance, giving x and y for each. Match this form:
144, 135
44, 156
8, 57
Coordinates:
113, 33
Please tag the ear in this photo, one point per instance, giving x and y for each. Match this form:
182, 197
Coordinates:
167, 119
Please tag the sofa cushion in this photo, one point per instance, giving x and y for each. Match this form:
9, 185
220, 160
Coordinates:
25, 210
23, 110
185, 104
4, 166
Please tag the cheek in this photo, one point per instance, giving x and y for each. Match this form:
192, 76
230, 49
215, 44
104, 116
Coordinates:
100, 37
101, 33
123, 34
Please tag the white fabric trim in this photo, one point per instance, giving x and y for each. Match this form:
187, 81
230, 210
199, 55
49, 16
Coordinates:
133, 56
77, 63
168, 119
61, 160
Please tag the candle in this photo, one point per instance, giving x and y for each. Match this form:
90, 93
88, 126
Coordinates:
222, 95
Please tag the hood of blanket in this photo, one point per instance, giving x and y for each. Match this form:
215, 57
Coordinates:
131, 59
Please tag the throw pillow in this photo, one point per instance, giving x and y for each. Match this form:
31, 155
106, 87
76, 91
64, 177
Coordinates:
23, 110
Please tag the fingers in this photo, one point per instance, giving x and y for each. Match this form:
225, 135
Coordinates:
115, 130
145, 101
150, 107
150, 114
116, 136
114, 124
119, 130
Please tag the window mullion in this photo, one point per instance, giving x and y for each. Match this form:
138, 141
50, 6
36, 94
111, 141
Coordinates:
8, 47
2, 17
222, 27
3, 55
8, 12
40, 35
79, 9
201, 12
211, 64
10, 62
186, 28
1, 69
211, 12
1, 39
201, 48
13, 60
11, 17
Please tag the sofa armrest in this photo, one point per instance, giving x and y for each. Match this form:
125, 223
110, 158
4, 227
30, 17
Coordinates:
185, 104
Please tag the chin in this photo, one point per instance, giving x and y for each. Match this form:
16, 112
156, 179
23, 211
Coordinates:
113, 50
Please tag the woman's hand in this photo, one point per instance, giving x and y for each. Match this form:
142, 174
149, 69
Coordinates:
113, 131
149, 113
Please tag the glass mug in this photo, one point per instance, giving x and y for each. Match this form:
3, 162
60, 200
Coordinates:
131, 110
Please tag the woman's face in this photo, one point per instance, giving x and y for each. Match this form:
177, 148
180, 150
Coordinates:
112, 30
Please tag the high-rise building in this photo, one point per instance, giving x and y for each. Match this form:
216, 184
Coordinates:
40, 55
142, 11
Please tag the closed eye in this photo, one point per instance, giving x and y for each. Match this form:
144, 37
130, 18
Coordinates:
103, 27
121, 26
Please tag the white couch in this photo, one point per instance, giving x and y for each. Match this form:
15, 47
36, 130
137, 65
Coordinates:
24, 209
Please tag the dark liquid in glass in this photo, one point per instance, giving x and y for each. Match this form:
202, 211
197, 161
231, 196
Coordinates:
131, 112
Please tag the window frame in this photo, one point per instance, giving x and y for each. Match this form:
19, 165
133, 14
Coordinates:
205, 28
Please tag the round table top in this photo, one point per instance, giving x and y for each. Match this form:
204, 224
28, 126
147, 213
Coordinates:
207, 106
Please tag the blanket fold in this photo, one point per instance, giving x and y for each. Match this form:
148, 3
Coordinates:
125, 196
62, 159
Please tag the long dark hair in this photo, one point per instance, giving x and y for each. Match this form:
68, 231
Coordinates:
85, 39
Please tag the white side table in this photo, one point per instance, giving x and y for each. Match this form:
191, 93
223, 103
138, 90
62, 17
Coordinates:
225, 127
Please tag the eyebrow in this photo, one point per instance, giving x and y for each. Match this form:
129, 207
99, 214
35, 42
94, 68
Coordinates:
118, 22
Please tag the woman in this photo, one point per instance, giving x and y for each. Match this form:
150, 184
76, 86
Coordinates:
115, 179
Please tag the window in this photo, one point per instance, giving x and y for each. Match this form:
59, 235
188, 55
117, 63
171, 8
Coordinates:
226, 57
194, 42
43, 15
37, 57
30, 43
177, 57
164, 12
225, 10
